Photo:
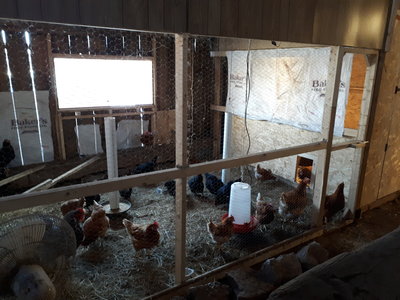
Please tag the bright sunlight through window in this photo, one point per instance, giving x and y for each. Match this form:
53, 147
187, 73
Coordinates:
89, 82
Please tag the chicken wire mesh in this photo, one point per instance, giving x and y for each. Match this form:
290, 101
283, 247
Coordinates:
122, 265
356, 103
246, 97
46, 117
242, 98
341, 184
275, 208
59, 83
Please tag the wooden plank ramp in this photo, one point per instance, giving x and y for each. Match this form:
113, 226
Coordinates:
20, 175
48, 183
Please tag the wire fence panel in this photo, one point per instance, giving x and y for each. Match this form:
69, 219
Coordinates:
59, 85
82, 104
60, 82
245, 99
267, 208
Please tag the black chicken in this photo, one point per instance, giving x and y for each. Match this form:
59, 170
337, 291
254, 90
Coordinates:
223, 194
89, 200
171, 187
196, 184
145, 167
213, 183
74, 218
7, 153
126, 193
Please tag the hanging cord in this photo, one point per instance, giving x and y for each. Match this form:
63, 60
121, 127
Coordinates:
247, 95
248, 88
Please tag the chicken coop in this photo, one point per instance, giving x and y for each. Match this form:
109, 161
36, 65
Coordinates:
179, 132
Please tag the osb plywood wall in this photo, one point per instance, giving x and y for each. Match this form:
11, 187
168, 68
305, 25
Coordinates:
269, 136
380, 181
356, 92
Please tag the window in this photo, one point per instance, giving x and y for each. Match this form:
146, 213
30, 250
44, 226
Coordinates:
103, 82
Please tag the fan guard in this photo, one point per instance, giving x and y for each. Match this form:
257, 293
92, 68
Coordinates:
44, 240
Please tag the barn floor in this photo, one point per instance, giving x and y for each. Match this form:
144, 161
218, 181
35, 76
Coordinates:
111, 271
373, 224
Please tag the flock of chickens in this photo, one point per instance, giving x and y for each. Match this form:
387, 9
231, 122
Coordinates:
292, 203
89, 221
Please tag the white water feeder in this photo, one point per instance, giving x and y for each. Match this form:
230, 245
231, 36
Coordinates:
112, 158
240, 203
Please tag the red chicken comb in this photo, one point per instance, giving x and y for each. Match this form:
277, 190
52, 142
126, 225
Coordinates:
156, 223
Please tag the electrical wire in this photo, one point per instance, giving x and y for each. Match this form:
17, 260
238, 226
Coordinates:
247, 99
247, 95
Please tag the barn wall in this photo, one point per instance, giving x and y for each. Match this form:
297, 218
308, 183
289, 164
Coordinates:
266, 136
382, 171
159, 46
358, 23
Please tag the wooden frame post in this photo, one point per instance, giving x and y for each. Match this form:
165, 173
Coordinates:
58, 119
216, 114
354, 193
181, 47
328, 123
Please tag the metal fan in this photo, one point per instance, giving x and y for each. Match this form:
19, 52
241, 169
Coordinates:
34, 252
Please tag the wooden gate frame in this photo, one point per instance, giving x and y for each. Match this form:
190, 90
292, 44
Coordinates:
183, 170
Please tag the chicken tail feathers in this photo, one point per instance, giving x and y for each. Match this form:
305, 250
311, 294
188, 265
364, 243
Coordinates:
211, 226
126, 222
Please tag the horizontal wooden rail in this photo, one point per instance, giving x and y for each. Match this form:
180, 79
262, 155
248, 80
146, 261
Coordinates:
350, 144
360, 51
345, 49
32, 199
107, 115
218, 108
108, 57
105, 108
15, 202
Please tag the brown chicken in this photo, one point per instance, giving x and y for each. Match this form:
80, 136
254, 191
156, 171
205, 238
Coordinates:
142, 236
304, 171
95, 226
71, 205
263, 174
221, 233
264, 211
334, 203
295, 201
